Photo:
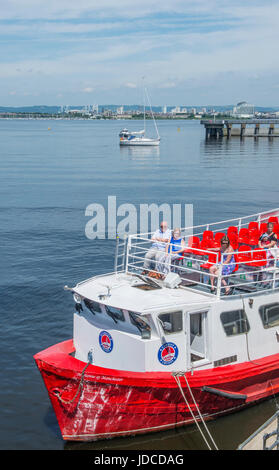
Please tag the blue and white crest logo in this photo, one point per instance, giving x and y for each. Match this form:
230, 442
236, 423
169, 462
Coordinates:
168, 353
105, 341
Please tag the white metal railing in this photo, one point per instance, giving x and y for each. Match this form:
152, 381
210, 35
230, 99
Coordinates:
193, 267
223, 225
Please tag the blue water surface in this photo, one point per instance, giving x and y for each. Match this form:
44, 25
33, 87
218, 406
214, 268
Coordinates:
50, 172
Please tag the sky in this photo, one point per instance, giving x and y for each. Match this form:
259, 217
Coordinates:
190, 52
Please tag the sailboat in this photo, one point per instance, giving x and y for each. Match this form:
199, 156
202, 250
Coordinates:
139, 138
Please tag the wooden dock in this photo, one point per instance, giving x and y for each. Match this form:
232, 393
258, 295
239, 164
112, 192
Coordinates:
265, 438
241, 128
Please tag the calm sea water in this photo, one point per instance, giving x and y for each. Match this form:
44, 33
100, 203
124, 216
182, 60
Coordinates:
48, 177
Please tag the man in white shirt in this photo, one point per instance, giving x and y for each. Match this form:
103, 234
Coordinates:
157, 250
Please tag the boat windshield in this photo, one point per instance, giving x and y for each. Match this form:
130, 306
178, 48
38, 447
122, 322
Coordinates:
115, 313
141, 324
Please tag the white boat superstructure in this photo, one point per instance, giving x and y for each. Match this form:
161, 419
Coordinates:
179, 308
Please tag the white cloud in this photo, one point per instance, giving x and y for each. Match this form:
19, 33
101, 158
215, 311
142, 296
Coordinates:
55, 52
131, 85
88, 90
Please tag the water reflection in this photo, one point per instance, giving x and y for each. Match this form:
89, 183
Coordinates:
141, 154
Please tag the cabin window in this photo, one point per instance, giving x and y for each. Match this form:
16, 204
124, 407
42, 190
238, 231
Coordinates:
115, 313
196, 324
269, 314
171, 322
235, 322
141, 324
94, 307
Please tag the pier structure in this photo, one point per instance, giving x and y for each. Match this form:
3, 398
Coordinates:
241, 128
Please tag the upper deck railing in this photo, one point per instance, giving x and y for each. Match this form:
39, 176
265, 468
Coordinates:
255, 269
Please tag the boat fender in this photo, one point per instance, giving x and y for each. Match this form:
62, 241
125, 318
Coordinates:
224, 393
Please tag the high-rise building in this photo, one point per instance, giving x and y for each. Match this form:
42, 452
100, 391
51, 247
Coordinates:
95, 108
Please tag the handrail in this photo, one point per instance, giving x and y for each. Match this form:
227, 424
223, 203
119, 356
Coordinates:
249, 273
238, 219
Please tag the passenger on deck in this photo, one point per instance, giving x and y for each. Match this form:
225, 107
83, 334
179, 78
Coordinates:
157, 250
228, 263
268, 241
173, 251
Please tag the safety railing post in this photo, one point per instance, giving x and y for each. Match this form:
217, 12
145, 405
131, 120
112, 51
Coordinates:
275, 267
116, 254
219, 279
127, 251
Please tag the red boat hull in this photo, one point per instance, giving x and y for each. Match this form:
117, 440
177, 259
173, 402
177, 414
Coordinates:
93, 403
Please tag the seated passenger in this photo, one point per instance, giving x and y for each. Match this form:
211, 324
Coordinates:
157, 250
228, 263
268, 242
173, 251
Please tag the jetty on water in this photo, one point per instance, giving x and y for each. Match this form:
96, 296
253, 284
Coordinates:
266, 437
241, 128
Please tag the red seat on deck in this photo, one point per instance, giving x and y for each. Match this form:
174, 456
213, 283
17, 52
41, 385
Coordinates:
254, 236
263, 227
234, 241
243, 236
236, 263
193, 242
212, 259
218, 236
207, 235
232, 230
244, 255
274, 220
259, 257
253, 226
205, 245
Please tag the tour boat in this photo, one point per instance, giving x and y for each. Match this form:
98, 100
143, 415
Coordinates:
138, 138
153, 351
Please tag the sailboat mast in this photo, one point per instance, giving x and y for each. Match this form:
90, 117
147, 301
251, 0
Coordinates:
152, 113
144, 110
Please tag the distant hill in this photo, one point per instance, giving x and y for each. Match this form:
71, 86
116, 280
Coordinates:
113, 107
30, 109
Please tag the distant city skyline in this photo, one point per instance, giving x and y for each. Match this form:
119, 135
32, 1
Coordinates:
189, 51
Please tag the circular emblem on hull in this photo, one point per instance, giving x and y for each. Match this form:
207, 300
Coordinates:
105, 341
168, 353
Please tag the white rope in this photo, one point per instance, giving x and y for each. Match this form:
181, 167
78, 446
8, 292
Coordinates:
192, 414
201, 417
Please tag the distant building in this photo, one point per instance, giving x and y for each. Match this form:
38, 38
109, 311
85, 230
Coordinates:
175, 110
243, 110
95, 108
120, 110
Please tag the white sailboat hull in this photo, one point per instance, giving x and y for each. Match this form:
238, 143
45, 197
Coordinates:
139, 142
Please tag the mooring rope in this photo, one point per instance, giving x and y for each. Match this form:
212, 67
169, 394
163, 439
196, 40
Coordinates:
176, 377
80, 388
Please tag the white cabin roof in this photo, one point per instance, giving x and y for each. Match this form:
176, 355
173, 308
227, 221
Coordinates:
124, 295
